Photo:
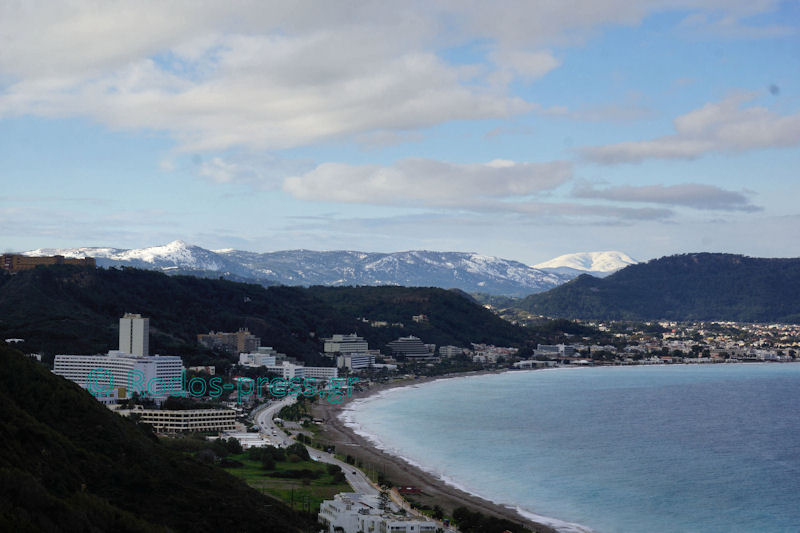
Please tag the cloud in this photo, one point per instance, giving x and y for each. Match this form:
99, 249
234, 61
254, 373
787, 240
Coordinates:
724, 126
426, 182
272, 75
694, 195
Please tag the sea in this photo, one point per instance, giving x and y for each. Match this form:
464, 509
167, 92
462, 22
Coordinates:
668, 448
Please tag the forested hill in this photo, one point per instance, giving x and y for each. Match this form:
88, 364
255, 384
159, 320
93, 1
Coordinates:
701, 286
68, 464
70, 309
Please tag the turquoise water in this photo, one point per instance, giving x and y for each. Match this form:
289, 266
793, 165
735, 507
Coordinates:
706, 448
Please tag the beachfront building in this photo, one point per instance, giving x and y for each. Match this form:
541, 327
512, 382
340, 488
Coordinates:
351, 512
355, 362
450, 351
179, 421
122, 374
287, 370
344, 344
412, 348
321, 373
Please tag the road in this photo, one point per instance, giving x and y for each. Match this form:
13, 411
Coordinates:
355, 477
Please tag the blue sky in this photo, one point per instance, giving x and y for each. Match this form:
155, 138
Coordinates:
524, 130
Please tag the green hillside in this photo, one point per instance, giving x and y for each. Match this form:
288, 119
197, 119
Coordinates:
69, 464
701, 286
69, 309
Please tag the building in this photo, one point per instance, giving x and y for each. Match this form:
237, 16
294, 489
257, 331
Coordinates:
134, 334
322, 373
16, 263
355, 361
342, 344
241, 341
210, 370
265, 356
412, 348
122, 374
554, 350
351, 512
287, 370
172, 421
450, 351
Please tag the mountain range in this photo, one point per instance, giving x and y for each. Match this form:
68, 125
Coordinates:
470, 272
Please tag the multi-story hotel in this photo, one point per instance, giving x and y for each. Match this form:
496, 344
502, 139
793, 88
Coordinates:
241, 341
412, 348
344, 344
154, 376
169, 421
351, 512
355, 361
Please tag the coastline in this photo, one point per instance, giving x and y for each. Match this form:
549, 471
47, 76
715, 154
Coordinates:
434, 491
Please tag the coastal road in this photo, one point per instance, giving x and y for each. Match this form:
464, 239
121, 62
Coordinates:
263, 418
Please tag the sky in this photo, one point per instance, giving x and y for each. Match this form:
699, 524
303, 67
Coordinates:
518, 129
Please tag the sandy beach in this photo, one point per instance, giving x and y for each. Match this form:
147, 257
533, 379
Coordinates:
433, 490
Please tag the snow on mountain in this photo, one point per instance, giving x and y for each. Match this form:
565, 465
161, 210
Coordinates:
597, 263
470, 272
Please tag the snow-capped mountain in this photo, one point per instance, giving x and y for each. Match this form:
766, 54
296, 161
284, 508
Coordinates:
599, 264
467, 271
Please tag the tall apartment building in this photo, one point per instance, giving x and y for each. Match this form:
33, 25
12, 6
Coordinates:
15, 262
238, 342
344, 344
134, 334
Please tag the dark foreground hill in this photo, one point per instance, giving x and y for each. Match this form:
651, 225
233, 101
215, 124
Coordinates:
702, 286
70, 309
69, 464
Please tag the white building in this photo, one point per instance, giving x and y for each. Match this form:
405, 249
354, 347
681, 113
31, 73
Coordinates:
323, 373
351, 512
134, 334
450, 351
287, 370
355, 361
122, 374
344, 344
258, 359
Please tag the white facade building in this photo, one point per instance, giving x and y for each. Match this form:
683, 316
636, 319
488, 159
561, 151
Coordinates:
321, 372
344, 344
134, 334
123, 374
287, 370
257, 359
355, 361
351, 512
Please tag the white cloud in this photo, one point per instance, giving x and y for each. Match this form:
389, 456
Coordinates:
724, 126
273, 75
694, 195
425, 182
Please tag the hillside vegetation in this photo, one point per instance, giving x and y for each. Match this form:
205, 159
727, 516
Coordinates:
70, 309
701, 286
69, 464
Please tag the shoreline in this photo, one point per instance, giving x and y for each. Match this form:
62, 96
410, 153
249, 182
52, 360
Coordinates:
434, 490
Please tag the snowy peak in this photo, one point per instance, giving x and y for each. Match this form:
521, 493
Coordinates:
602, 263
470, 272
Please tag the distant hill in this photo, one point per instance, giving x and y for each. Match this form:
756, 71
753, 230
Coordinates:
598, 264
701, 286
69, 464
469, 272
71, 309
